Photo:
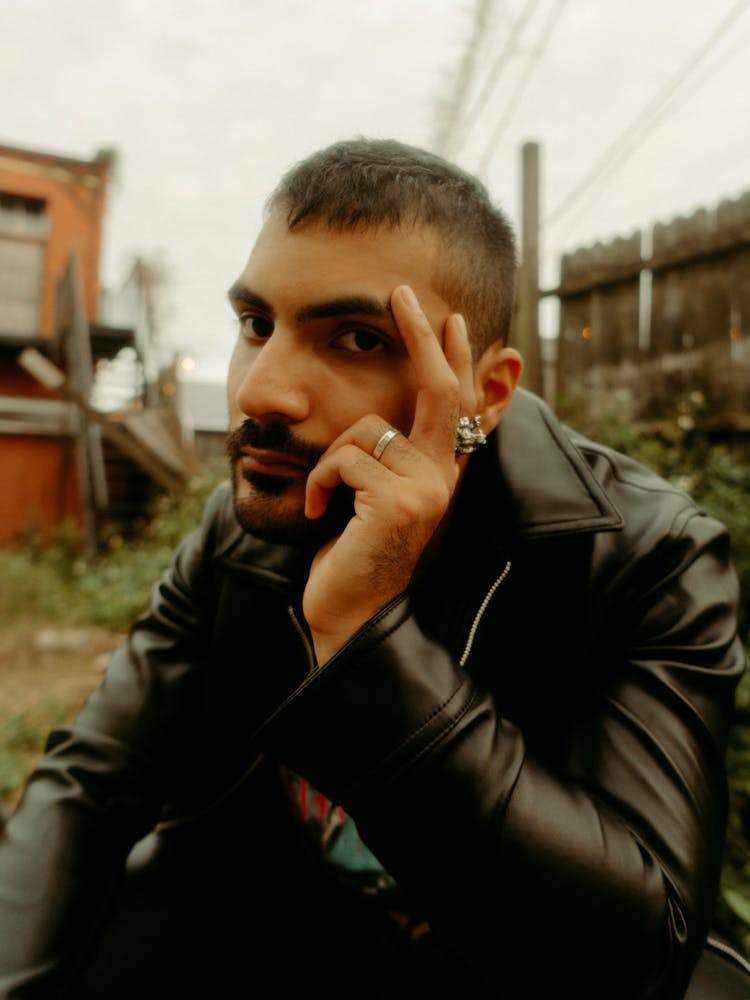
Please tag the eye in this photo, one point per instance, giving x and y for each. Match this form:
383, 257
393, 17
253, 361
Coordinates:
360, 341
255, 327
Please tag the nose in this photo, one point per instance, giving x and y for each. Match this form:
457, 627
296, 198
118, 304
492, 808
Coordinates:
271, 380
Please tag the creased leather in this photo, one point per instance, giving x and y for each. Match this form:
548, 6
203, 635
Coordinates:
556, 808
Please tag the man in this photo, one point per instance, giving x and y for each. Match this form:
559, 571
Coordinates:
435, 702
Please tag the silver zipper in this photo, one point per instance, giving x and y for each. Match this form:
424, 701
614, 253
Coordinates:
480, 612
730, 952
303, 636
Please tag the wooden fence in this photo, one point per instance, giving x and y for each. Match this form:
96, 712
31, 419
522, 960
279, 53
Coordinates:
659, 315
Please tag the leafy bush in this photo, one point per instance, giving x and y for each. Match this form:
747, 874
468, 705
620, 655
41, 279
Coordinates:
733, 911
54, 581
716, 473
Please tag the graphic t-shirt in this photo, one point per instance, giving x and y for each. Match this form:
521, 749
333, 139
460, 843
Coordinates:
331, 835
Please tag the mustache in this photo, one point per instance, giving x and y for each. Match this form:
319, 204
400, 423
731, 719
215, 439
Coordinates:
273, 436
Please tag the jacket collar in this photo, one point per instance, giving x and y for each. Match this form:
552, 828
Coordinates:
542, 473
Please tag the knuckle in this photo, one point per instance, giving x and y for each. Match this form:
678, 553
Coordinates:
422, 505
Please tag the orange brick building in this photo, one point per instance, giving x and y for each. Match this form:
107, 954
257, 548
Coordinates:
50, 207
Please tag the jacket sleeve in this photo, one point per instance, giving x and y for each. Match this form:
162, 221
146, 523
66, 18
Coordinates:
591, 872
99, 787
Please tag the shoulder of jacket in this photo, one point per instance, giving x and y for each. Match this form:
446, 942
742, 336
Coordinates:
620, 474
586, 485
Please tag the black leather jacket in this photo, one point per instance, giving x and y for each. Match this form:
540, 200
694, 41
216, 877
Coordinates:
546, 714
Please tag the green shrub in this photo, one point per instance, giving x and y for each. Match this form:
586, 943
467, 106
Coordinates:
54, 581
716, 472
733, 911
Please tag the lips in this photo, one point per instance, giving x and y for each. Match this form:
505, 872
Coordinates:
272, 463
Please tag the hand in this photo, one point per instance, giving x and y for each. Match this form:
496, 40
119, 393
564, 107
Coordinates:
400, 499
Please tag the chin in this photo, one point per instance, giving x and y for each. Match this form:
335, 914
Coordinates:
271, 511
270, 521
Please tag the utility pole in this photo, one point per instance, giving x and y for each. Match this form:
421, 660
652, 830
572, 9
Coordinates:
527, 316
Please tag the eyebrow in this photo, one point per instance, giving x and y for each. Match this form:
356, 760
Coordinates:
240, 293
362, 305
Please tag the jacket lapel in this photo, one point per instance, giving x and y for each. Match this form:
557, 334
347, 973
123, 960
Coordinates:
545, 477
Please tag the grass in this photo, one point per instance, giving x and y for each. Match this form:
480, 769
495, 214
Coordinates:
22, 737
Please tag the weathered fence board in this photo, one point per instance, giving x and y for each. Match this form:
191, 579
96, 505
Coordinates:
638, 330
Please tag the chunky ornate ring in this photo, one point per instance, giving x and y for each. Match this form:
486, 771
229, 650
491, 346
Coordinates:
383, 441
468, 435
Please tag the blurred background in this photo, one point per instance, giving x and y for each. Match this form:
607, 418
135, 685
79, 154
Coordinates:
641, 111
139, 140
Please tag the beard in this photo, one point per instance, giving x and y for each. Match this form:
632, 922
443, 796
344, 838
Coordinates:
266, 505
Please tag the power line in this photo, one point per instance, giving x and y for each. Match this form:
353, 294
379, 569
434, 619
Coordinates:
647, 119
531, 64
495, 72
720, 62
599, 184
464, 77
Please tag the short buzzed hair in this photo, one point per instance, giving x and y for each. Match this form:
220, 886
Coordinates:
381, 182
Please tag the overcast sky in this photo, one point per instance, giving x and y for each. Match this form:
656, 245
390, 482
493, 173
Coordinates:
207, 102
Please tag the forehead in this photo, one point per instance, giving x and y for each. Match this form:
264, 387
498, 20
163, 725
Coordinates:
365, 259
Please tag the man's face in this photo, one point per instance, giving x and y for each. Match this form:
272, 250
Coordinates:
317, 349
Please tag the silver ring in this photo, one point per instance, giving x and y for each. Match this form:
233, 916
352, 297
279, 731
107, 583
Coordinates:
468, 435
383, 441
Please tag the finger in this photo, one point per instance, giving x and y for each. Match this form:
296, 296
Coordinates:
459, 356
422, 342
321, 483
327, 474
349, 464
438, 398
365, 433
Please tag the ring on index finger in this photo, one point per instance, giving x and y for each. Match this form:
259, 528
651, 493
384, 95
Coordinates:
382, 443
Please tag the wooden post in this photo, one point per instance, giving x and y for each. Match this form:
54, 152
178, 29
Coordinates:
75, 342
527, 316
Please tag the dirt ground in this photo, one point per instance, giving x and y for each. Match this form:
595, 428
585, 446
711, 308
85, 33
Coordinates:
45, 666
46, 671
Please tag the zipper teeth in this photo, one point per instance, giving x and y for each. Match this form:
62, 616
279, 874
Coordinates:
303, 636
730, 952
478, 617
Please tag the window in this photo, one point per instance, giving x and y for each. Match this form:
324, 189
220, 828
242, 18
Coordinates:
23, 231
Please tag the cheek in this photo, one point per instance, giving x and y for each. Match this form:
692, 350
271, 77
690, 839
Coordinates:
341, 404
398, 409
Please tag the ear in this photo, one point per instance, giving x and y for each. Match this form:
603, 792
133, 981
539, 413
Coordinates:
495, 379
